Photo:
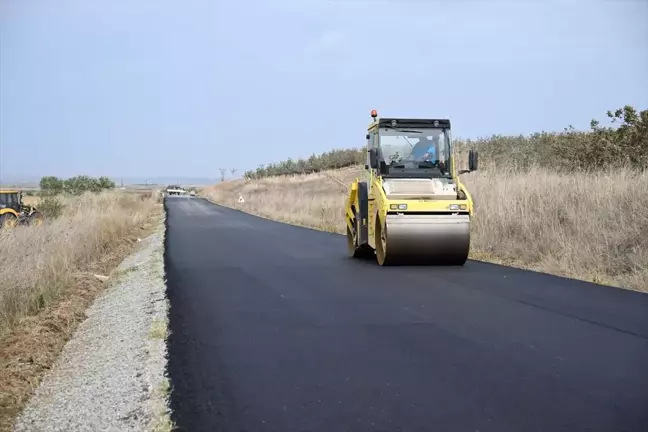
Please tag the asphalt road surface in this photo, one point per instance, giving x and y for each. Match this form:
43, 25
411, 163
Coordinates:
275, 329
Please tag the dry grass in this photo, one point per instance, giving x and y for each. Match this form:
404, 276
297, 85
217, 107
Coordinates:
589, 227
31, 200
47, 281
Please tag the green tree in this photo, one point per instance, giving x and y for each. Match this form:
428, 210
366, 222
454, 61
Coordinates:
51, 185
76, 185
106, 183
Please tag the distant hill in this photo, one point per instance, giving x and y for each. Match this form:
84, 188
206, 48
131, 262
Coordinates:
31, 182
162, 180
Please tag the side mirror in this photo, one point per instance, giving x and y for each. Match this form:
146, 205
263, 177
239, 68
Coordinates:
473, 159
373, 158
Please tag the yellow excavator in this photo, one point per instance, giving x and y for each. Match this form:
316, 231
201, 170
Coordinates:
411, 207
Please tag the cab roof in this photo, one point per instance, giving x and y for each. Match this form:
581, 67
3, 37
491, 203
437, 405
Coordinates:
9, 191
409, 123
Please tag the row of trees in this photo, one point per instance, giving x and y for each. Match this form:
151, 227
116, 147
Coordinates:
77, 185
340, 158
624, 142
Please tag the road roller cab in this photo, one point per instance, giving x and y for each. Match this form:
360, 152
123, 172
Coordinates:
410, 207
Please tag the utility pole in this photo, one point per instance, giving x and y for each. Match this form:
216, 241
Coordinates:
222, 171
233, 171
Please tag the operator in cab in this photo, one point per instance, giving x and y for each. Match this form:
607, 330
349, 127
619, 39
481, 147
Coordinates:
425, 149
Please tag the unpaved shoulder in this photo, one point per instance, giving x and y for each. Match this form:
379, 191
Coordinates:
111, 375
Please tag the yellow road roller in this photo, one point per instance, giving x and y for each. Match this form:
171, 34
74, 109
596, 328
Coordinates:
410, 207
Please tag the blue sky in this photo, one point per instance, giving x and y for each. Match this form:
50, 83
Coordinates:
181, 88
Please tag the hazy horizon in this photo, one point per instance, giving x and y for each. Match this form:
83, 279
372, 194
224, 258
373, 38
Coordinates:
126, 181
180, 89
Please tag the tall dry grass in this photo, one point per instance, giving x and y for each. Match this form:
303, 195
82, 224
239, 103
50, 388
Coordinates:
38, 264
584, 226
31, 200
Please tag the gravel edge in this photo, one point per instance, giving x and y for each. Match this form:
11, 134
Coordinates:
112, 374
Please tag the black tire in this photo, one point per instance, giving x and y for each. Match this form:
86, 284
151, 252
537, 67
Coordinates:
36, 218
8, 220
355, 250
381, 248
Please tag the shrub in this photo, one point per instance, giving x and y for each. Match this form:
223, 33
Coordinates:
51, 207
77, 185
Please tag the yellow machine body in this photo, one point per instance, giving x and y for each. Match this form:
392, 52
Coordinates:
410, 211
14, 212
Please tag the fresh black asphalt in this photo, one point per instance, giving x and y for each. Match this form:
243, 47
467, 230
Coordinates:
275, 329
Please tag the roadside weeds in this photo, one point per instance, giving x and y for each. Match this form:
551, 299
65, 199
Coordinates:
31, 346
112, 372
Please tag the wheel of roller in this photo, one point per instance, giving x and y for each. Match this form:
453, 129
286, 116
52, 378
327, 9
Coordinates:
420, 244
354, 249
381, 243
351, 242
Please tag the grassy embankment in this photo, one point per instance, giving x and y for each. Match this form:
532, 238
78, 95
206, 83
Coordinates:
48, 277
573, 204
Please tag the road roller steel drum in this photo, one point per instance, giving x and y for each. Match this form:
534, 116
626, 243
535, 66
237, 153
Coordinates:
426, 239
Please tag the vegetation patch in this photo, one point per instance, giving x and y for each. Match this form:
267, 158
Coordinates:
48, 279
158, 329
